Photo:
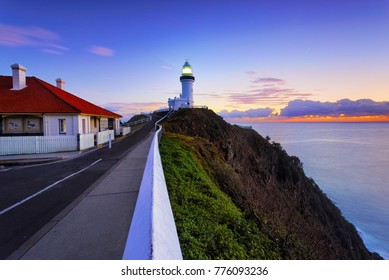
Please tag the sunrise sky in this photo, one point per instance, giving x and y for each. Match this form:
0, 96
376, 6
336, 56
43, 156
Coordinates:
252, 59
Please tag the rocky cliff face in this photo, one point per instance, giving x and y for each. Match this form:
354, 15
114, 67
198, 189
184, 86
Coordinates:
270, 186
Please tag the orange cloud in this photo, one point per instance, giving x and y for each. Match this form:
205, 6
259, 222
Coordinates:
364, 110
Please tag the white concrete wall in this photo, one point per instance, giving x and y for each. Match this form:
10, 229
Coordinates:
87, 141
153, 233
124, 130
103, 136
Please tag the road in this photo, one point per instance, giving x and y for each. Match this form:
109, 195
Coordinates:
64, 181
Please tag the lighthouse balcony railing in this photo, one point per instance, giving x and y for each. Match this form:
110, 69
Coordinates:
200, 107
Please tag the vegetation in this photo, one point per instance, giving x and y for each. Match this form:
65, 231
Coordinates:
137, 118
209, 224
236, 195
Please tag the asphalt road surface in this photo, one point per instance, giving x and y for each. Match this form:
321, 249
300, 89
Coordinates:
64, 181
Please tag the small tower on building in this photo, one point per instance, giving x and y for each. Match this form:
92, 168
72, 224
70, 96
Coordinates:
186, 97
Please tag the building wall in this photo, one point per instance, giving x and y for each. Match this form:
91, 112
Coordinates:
117, 126
83, 124
51, 124
178, 103
21, 124
103, 124
94, 124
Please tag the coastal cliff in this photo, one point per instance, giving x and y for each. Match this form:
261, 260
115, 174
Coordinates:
236, 195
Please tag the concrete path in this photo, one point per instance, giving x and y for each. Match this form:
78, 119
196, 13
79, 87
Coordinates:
96, 225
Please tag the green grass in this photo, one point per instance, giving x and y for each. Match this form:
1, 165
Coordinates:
209, 224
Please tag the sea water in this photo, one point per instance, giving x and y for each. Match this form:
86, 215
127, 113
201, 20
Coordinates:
350, 163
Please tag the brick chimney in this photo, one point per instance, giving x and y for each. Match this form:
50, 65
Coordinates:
18, 76
60, 83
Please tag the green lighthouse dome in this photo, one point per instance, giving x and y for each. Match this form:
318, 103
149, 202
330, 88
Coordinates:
187, 69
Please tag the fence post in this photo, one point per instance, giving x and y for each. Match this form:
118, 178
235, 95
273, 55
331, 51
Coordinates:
78, 142
36, 144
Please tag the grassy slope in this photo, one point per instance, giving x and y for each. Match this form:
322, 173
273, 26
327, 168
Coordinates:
209, 224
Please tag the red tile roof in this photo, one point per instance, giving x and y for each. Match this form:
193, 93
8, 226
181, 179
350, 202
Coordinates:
42, 97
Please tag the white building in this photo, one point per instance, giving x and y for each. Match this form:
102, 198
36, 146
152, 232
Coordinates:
186, 97
32, 107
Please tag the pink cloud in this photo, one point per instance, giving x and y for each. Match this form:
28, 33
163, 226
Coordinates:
273, 95
251, 113
211, 95
16, 36
361, 107
99, 50
251, 72
269, 80
127, 110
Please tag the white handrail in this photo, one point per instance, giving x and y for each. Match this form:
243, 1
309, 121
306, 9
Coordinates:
153, 234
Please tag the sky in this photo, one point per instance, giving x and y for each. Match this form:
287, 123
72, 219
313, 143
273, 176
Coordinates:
253, 60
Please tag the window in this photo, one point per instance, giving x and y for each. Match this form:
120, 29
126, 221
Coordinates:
62, 126
83, 126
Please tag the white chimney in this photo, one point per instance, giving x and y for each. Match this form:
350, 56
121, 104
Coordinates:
60, 83
18, 76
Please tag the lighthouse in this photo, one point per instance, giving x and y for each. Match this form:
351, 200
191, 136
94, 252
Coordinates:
187, 79
186, 97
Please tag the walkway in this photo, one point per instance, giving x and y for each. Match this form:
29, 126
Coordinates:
96, 225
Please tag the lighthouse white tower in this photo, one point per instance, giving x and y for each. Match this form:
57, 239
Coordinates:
186, 97
187, 79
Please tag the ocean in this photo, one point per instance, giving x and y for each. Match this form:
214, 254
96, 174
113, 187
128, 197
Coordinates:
350, 163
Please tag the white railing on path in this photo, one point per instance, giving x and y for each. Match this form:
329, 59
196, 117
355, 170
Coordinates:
153, 234
145, 120
18, 145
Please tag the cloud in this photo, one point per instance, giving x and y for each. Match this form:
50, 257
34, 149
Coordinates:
269, 80
346, 107
252, 113
211, 95
167, 67
273, 95
251, 72
99, 50
31, 36
51, 51
267, 91
127, 110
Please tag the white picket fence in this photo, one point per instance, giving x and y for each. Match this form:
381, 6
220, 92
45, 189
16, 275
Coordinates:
103, 137
18, 145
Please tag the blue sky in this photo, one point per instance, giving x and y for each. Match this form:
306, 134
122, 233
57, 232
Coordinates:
127, 55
